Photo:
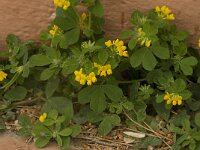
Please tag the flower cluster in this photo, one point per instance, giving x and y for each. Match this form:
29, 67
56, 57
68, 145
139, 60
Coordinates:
103, 70
173, 99
43, 117
164, 12
142, 38
83, 78
82, 19
62, 4
55, 30
118, 46
3, 75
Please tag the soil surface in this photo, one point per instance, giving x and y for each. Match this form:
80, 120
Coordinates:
10, 141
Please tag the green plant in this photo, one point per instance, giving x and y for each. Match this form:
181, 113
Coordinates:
50, 126
110, 83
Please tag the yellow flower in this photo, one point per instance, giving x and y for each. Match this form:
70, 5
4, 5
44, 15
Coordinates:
83, 16
80, 77
3, 75
142, 38
64, 4
109, 43
83, 78
55, 30
173, 99
170, 17
157, 9
43, 117
148, 43
118, 47
91, 78
164, 12
199, 43
82, 19
103, 70
167, 96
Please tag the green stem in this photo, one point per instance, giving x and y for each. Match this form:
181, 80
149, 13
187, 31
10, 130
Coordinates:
90, 20
26, 102
14, 78
131, 81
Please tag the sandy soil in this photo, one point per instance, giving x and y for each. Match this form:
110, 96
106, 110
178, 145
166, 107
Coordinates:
10, 141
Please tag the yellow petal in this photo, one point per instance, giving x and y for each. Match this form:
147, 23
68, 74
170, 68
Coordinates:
125, 53
174, 102
157, 9
170, 17
108, 43
148, 43
109, 71
142, 43
179, 102
169, 101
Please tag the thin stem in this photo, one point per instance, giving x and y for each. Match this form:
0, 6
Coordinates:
90, 20
130, 81
151, 130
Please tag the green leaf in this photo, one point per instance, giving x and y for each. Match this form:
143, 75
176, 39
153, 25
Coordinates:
47, 74
149, 61
94, 117
59, 140
51, 52
145, 57
53, 114
65, 23
108, 123
179, 119
140, 109
51, 86
159, 98
181, 49
160, 51
2, 124
48, 122
84, 96
65, 142
186, 94
126, 34
98, 100
113, 92
103, 56
181, 35
178, 86
70, 65
153, 141
161, 110
186, 65
66, 132
197, 119
62, 104
132, 43
76, 129
69, 38
136, 58
39, 129
60, 119
97, 9
26, 71
17, 93
24, 132
39, 60
42, 141
128, 105
24, 121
